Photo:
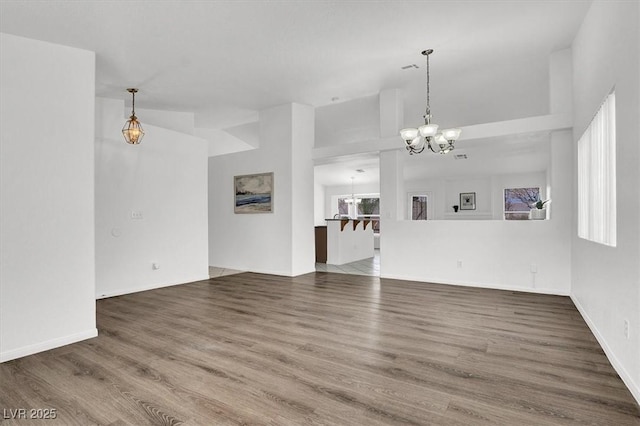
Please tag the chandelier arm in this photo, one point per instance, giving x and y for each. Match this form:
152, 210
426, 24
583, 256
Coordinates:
415, 151
431, 148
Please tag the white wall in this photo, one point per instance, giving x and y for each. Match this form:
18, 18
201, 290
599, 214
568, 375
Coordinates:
445, 193
319, 204
165, 179
470, 95
391, 188
494, 254
221, 142
489, 191
264, 242
346, 122
606, 280
46, 198
346, 244
181, 122
302, 211
247, 132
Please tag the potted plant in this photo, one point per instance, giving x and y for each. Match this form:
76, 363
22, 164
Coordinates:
538, 210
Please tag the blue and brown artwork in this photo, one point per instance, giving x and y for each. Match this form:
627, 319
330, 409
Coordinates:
254, 193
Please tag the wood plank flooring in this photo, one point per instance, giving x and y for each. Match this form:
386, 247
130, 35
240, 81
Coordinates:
328, 349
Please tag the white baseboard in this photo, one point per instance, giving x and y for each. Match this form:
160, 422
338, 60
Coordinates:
535, 290
47, 345
129, 290
617, 365
308, 271
289, 274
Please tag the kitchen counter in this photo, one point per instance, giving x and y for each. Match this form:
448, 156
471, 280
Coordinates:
349, 240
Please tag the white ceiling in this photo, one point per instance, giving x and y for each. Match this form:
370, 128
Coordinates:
226, 60
339, 171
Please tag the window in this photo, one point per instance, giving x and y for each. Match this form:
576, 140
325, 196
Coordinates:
597, 177
419, 207
343, 206
518, 201
368, 207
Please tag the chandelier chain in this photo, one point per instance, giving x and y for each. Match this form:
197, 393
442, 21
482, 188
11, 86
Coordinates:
428, 109
133, 92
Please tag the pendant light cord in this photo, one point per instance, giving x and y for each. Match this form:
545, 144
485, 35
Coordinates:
133, 101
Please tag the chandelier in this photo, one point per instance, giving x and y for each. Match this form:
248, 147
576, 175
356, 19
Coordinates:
427, 135
353, 199
132, 130
353, 202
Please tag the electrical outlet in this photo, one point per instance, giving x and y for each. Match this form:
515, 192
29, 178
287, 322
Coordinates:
459, 263
136, 214
626, 329
534, 268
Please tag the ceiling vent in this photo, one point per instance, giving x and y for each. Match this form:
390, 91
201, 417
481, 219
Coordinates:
460, 156
406, 67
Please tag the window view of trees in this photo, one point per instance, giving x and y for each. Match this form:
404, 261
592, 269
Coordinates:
343, 206
368, 208
419, 207
518, 201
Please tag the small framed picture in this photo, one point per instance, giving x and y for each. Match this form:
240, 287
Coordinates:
467, 201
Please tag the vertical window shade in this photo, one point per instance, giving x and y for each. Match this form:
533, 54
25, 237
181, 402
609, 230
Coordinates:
597, 177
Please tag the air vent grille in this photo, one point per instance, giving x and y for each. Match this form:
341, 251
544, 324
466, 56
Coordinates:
460, 156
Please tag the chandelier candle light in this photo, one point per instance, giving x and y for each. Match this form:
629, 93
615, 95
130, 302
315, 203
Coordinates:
132, 129
427, 135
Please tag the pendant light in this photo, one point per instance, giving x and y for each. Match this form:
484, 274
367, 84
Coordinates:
132, 129
427, 135
353, 201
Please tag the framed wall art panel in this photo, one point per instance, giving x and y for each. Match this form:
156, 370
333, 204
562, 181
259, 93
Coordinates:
253, 193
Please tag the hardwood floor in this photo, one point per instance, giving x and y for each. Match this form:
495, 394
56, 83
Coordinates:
325, 349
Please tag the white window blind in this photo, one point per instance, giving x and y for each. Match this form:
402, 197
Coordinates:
597, 177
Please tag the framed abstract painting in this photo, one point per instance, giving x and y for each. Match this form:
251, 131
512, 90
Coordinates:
467, 201
253, 193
